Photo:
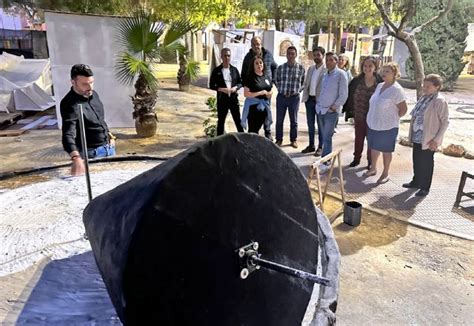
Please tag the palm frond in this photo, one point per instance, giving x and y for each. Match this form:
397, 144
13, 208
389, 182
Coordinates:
139, 34
177, 30
193, 69
128, 67
174, 48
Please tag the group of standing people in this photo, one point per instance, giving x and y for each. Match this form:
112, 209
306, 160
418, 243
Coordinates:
374, 100
260, 72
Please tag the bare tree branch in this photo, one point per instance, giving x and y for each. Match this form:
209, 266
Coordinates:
386, 20
440, 15
410, 13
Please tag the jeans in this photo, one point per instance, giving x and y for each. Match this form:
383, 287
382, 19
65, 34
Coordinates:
327, 122
283, 103
311, 120
101, 151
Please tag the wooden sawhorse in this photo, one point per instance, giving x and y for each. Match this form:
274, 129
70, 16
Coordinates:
315, 170
461, 192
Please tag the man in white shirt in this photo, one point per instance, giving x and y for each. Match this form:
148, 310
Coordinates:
311, 92
225, 80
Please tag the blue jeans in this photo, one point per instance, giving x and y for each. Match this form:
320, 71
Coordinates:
311, 120
101, 151
328, 123
291, 103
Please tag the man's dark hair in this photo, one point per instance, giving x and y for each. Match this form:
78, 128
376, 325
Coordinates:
332, 54
319, 49
292, 48
81, 70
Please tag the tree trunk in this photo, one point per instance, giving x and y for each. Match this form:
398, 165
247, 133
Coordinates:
276, 14
328, 49
357, 68
415, 53
339, 31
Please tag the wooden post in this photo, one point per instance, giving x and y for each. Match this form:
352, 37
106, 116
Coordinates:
321, 199
341, 178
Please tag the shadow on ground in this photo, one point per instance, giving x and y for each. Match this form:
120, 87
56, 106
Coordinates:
374, 231
69, 292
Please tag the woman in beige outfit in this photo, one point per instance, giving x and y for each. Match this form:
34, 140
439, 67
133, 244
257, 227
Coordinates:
428, 124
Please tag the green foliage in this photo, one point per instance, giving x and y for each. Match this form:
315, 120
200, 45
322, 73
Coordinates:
309, 10
188, 71
360, 13
200, 12
139, 35
441, 44
210, 124
34, 9
193, 70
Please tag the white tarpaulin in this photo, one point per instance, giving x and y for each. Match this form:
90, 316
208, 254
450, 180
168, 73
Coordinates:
90, 40
25, 84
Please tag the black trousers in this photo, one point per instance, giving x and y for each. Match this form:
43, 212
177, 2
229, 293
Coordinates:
423, 165
256, 119
224, 104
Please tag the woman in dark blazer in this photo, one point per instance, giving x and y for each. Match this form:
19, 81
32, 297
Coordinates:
361, 89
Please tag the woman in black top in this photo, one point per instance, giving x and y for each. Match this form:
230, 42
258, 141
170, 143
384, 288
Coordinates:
258, 86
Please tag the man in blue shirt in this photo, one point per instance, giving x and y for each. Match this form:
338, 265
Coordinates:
333, 96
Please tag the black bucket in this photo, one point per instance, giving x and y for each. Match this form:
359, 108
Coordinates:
352, 212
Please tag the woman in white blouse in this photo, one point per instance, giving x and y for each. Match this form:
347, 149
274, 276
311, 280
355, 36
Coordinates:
387, 105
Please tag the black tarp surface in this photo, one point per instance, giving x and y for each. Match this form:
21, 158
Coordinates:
165, 241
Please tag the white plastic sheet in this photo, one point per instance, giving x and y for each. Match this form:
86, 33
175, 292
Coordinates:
25, 84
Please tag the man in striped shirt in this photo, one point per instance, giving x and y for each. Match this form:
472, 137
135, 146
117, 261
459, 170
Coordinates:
289, 82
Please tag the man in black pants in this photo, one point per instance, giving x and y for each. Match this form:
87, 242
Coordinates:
100, 141
226, 81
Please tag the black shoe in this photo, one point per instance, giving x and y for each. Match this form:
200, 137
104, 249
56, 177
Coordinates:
318, 152
410, 185
308, 149
269, 136
354, 163
422, 193
279, 143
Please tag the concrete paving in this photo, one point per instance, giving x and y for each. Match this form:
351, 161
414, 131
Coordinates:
180, 125
435, 211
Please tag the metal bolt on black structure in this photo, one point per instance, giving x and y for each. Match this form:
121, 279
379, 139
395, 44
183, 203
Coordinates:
250, 261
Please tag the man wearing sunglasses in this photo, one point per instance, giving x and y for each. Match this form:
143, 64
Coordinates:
225, 80
100, 142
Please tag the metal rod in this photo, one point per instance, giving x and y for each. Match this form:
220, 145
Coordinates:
289, 271
84, 150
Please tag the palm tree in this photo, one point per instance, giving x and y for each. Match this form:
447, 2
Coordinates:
188, 71
145, 40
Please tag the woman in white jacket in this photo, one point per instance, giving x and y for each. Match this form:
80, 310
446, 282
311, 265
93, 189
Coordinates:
428, 124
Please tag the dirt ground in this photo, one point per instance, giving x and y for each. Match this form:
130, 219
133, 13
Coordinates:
392, 273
